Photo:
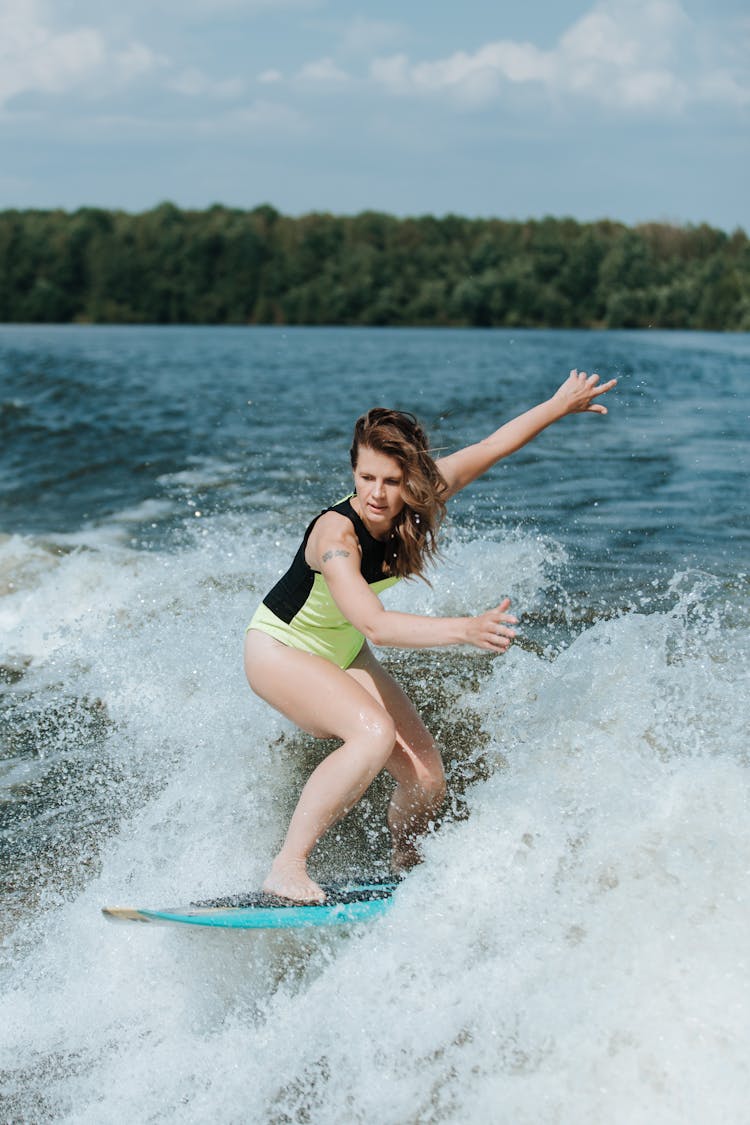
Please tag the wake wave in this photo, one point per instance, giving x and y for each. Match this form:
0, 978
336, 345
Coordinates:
571, 949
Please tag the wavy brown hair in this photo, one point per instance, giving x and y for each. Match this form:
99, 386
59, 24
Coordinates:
413, 540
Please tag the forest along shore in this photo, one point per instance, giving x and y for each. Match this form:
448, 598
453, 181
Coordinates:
229, 266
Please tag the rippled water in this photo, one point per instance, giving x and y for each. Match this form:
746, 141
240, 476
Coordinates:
574, 947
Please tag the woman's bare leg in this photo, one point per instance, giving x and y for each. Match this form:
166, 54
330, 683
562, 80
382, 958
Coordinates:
323, 700
415, 762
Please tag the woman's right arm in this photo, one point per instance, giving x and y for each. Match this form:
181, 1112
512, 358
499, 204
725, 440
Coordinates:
336, 554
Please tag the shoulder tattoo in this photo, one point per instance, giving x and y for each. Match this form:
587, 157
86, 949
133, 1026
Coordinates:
338, 553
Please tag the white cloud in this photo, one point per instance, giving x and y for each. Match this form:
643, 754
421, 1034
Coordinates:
364, 34
472, 78
723, 87
634, 54
33, 58
36, 58
207, 8
323, 70
625, 53
193, 83
270, 76
137, 60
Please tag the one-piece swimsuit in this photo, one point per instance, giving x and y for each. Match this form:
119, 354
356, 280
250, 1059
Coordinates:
300, 611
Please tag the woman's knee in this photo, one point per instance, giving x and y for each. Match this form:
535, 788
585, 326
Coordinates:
379, 730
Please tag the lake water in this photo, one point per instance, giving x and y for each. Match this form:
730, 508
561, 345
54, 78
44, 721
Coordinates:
574, 948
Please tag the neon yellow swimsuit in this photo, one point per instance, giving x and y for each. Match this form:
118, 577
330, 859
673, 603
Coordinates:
299, 611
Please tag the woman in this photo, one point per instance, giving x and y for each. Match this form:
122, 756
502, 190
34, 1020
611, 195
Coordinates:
306, 650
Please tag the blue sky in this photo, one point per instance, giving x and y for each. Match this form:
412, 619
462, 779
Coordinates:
636, 110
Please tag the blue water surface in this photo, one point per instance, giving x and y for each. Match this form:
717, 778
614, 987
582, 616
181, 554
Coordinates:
97, 420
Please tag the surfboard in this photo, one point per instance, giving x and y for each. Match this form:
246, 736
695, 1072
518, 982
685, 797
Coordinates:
345, 904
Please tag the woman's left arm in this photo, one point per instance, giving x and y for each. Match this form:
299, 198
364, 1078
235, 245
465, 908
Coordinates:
576, 396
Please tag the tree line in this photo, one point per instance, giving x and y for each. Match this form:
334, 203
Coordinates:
228, 266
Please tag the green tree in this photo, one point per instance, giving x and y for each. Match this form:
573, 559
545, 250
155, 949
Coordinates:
229, 266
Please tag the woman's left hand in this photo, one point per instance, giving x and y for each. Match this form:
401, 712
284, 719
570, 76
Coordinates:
577, 394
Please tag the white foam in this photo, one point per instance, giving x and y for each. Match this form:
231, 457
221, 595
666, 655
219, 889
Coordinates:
207, 473
146, 512
474, 576
574, 951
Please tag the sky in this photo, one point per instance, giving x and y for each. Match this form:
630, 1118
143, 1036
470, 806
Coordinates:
634, 110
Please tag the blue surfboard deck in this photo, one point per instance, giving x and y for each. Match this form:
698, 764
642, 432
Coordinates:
346, 904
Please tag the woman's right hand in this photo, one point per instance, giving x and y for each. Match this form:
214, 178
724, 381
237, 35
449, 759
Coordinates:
491, 630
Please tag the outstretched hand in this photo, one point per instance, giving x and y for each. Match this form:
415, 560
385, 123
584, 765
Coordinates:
491, 629
577, 393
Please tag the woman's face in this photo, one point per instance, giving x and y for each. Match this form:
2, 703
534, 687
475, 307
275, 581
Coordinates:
377, 480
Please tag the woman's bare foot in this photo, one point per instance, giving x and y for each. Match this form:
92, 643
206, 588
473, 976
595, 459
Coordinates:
289, 879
